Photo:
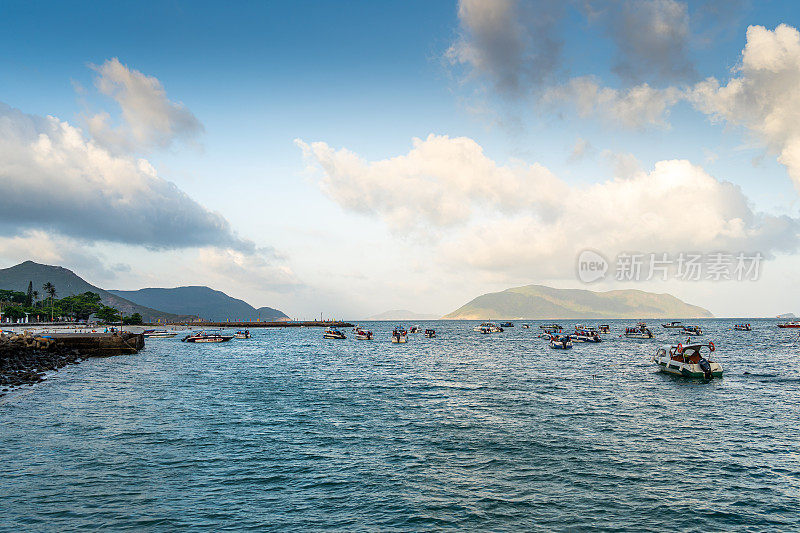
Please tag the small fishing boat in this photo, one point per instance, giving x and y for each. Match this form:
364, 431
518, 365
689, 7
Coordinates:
506, 324
641, 331
413, 329
551, 328
159, 334
604, 328
331, 333
363, 335
242, 334
488, 327
688, 361
203, 337
792, 324
399, 335
692, 330
673, 325
526, 326
430, 333
561, 342
585, 335
742, 327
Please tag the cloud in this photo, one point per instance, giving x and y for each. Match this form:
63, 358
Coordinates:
53, 178
580, 149
440, 183
150, 118
262, 268
652, 39
764, 94
522, 218
513, 44
635, 107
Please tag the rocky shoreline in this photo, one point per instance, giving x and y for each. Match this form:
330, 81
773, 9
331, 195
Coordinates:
25, 358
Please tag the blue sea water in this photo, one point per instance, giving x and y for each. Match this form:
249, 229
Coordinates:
287, 431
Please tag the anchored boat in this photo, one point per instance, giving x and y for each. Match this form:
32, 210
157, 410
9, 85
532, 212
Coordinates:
673, 325
792, 324
363, 335
692, 330
331, 333
689, 361
203, 337
742, 327
560, 342
399, 335
158, 334
242, 334
604, 328
585, 335
430, 333
641, 331
551, 328
488, 327
506, 324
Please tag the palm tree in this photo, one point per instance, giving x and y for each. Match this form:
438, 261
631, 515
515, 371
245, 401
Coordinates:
35, 295
50, 289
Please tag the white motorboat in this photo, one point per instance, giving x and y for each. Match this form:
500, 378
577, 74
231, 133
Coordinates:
159, 334
363, 335
488, 327
332, 333
585, 335
689, 360
430, 333
641, 331
203, 337
673, 325
562, 342
742, 327
242, 334
399, 335
691, 330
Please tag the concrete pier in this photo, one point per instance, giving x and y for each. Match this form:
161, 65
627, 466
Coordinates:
100, 344
250, 325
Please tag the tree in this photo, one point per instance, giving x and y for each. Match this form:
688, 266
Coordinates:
107, 314
35, 298
134, 320
81, 306
15, 313
50, 290
29, 295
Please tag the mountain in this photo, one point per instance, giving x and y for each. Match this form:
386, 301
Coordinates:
402, 314
68, 283
208, 304
540, 302
787, 315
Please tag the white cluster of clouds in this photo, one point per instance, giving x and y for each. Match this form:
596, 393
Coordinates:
764, 94
150, 118
522, 218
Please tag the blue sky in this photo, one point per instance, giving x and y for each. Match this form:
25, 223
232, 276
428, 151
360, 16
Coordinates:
368, 77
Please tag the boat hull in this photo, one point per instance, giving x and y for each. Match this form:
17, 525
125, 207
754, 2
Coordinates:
209, 340
689, 370
399, 340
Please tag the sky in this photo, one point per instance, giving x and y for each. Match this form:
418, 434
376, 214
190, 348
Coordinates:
347, 158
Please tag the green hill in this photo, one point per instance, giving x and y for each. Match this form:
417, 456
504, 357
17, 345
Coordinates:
540, 302
68, 283
204, 302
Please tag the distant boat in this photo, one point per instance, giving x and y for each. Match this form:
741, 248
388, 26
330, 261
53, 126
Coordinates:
506, 324
488, 327
604, 328
673, 325
399, 335
692, 330
203, 337
585, 335
413, 329
242, 334
551, 328
641, 331
430, 333
331, 333
363, 335
561, 342
158, 333
742, 327
526, 326
688, 361
792, 324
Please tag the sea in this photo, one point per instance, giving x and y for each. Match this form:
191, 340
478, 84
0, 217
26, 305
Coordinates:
290, 432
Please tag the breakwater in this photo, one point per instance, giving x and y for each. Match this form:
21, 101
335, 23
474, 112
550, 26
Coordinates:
284, 324
25, 357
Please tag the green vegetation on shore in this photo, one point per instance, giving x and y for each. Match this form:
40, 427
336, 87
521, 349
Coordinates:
17, 305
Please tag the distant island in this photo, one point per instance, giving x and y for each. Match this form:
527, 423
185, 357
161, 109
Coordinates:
402, 314
541, 302
787, 315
